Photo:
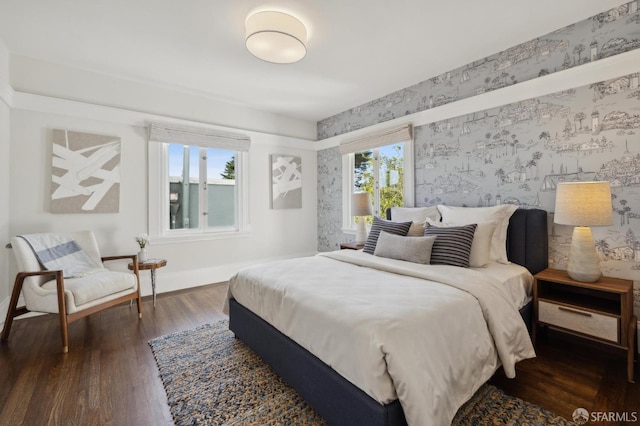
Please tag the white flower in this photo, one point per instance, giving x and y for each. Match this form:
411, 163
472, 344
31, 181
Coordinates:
142, 240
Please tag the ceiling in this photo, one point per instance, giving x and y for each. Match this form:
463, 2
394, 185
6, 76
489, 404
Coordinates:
358, 50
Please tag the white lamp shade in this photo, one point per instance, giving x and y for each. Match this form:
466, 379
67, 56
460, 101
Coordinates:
276, 37
583, 204
361, 204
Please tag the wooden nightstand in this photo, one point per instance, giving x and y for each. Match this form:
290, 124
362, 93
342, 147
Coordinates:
601, 311
351, 246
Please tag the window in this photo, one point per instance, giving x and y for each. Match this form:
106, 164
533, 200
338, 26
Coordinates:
381, 164
202, 188
197, 190
380, 171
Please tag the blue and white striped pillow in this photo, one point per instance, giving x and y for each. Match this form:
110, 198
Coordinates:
396, 228
452, 245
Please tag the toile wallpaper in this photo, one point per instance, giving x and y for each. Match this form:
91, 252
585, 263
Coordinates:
604, 35
519, 152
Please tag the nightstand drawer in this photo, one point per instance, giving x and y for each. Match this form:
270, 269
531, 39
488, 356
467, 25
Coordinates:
590, 323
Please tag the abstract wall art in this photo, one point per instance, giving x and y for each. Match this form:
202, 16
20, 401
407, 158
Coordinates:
286, 182
85, 173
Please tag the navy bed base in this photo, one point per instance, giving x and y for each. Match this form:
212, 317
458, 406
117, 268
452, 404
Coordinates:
336, 399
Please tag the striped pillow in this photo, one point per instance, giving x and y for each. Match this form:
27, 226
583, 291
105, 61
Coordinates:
452, 245
396, 228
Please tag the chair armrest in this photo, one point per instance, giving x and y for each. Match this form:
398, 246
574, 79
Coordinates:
23, 275
134, 263
133, 257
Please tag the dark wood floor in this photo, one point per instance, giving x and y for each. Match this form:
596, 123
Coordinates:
109, 376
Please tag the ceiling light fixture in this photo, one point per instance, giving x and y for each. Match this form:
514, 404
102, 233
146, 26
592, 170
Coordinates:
276, 37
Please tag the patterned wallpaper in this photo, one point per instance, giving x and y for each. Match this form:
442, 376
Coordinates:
330, 200
519, 152
607, 34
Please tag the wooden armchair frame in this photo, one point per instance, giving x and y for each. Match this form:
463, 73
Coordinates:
66, 319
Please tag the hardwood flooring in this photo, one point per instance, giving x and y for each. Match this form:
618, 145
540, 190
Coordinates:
109, 376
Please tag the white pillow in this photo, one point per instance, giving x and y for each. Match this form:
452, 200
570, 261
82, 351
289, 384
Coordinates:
414, 214
481, 246
499, 214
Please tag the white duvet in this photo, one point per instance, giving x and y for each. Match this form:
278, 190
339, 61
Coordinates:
428, 335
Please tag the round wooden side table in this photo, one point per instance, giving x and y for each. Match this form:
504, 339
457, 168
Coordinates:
152, 265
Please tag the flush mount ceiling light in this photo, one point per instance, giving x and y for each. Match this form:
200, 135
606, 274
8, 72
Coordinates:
276, 37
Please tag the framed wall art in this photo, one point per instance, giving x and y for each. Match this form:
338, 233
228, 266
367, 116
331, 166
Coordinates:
85, 173
286, 181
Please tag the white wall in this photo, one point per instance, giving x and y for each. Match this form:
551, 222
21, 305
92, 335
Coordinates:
59, 81
275, 233
5, 95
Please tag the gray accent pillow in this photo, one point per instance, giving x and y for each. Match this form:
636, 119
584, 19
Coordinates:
411, 249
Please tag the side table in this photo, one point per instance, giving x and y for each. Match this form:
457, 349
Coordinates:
152, 265
601, 311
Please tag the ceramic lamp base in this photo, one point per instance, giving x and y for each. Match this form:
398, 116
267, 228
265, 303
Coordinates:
584, 262
361, 230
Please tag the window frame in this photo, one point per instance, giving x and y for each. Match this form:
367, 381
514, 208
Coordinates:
158, 213
348, 166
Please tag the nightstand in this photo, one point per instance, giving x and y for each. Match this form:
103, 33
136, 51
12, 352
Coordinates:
601, 311
351, 246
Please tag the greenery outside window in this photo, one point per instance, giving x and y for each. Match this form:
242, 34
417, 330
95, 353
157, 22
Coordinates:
385, 170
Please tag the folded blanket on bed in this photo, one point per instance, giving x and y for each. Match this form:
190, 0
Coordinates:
60, 252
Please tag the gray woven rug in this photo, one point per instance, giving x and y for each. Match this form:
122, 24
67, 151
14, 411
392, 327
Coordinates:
213, 379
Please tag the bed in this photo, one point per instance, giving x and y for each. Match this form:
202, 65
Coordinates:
322, 383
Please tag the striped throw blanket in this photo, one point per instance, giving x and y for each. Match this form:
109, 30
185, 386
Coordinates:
60, 252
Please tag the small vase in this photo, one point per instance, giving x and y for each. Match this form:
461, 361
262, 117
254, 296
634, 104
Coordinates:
142, 255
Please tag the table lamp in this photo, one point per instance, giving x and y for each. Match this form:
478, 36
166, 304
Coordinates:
583, 204
360, 207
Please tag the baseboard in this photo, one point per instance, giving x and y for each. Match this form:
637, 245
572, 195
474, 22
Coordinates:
168, 281
173, 281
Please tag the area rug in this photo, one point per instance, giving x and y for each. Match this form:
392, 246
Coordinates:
211, 378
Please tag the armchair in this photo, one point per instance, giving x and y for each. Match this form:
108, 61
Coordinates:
48, 291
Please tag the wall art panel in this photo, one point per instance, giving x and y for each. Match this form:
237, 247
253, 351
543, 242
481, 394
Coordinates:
286, 182
85, 173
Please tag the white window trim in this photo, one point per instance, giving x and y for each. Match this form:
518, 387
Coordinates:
158, 216
348, 165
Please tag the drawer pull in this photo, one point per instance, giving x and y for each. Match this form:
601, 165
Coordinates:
586, 314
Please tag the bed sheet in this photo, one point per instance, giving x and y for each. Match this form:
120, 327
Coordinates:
516, 279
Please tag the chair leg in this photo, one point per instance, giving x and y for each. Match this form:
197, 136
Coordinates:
11, 312
62, 311
139, 301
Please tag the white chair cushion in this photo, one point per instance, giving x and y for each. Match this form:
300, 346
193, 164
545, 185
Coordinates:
95, 286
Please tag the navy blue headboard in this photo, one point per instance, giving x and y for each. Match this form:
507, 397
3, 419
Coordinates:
527, 239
